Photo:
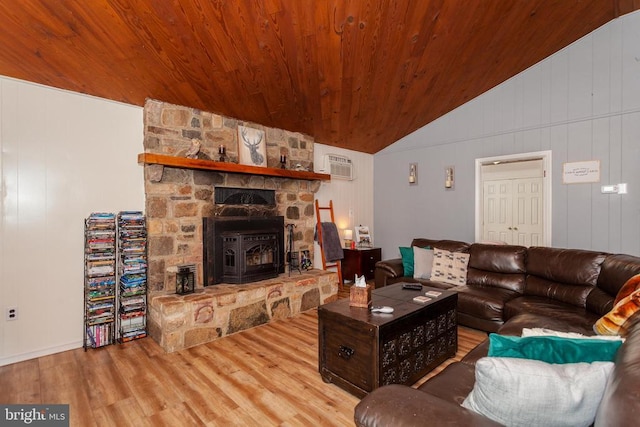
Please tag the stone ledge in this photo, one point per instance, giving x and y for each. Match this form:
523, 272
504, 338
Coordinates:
181, 321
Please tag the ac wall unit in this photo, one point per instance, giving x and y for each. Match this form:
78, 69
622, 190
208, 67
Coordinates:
337, 166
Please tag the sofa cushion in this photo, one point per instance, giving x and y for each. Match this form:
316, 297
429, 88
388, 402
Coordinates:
566, 275
552, 349
564, 266
449, 267
552, 314
422, 262
407, 260
497, 267
398, 405
521, 392
447, 245
516, 324
453, 383
629, 287
499, 259
567, 293
483, 303
615, 271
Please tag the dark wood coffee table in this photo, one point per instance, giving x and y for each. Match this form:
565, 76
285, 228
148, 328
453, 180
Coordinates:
360, 351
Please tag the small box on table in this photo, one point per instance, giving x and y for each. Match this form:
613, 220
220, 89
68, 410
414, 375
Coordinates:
360, 296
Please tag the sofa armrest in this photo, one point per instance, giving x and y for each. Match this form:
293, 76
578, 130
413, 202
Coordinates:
398, 405
390, 268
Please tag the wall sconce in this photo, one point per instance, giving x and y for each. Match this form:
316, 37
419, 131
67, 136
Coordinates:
448, 177
348, 238
413, 173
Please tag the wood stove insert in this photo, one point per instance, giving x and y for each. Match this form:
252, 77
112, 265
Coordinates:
242, 249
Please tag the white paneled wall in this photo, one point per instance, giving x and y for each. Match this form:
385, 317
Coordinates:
349, 197
583, 103
63, 155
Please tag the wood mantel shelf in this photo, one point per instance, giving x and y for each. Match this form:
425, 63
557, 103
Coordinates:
200, 164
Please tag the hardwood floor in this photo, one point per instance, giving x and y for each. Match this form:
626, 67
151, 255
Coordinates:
265, 376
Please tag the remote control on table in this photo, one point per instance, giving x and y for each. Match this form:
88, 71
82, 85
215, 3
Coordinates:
412, 286
381, 309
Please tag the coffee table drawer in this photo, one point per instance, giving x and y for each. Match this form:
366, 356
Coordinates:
349, 353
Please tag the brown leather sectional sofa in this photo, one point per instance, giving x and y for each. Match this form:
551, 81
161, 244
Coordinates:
510, 288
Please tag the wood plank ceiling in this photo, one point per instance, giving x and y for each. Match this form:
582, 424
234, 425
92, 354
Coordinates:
358, 74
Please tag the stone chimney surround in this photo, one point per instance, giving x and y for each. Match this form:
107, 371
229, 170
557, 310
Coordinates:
177, 199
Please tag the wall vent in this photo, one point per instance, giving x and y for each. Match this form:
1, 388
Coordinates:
339, 167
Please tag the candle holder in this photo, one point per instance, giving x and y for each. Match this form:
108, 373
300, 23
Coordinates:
222, 151
283, 161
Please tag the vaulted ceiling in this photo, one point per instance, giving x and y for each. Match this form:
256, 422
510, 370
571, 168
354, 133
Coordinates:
358, 74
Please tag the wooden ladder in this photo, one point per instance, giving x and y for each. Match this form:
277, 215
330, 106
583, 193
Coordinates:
325, 265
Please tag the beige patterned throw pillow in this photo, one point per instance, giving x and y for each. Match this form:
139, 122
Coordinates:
449, 267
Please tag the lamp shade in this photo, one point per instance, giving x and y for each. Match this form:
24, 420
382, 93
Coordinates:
348, 234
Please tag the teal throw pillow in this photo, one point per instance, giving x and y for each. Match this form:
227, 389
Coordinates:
407, 260
553, 349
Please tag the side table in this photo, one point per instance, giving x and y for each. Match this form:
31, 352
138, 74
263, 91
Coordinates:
360, 261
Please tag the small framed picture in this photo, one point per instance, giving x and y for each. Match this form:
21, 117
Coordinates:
363, 237
252, 147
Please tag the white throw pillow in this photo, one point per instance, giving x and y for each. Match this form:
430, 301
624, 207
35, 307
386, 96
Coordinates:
523, 392
449, 267
544, 332
422, 263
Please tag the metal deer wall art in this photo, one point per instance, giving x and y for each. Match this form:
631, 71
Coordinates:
252, 139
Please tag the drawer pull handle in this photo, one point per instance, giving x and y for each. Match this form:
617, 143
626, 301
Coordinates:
345, 352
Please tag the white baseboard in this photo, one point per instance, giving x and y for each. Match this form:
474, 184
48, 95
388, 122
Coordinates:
39, 353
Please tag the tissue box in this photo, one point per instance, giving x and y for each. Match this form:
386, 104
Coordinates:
360, 296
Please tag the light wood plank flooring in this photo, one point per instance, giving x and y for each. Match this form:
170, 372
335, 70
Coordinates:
265, 376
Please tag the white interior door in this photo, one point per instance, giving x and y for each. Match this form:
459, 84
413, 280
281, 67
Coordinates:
512, 203
527, 212
512, 211
497, 211
513, 199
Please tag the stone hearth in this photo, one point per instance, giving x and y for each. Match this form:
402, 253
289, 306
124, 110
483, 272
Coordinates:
181, 321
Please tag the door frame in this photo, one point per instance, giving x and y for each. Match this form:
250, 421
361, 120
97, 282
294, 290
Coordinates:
546, 189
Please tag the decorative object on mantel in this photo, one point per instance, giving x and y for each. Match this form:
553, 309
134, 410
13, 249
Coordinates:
300, 168
210, 165
283, 161
222, 150
252, 146
193, 150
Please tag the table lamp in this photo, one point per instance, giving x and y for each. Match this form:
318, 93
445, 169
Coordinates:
348, 238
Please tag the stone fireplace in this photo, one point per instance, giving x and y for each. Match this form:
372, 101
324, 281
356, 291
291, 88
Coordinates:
177, 199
